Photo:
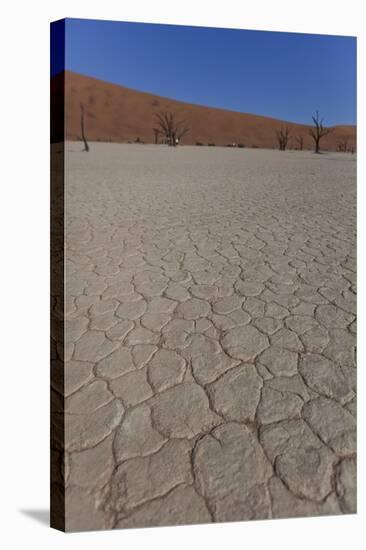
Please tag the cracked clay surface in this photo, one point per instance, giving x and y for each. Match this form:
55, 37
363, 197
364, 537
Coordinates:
210, 335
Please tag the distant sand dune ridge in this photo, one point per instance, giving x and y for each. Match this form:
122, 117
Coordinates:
118, 114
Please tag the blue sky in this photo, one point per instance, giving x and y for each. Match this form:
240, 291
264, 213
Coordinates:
283, 75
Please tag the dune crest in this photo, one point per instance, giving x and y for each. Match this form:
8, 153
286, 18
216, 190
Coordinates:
118, 114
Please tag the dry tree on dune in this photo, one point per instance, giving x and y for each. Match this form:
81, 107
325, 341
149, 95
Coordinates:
343, 145
300, 142
171, 129
319, 131
282, 137
157, 132
86, 146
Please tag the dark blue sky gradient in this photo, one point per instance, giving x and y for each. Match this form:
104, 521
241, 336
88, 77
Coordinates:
283, 75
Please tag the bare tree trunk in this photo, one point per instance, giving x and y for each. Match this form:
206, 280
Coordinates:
300, 141
319, 131
282, 138
156, 133
343, 145
86, 146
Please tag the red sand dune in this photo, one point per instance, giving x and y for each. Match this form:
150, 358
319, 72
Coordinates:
119, 114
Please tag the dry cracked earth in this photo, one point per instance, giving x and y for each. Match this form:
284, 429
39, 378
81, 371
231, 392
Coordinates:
210, 335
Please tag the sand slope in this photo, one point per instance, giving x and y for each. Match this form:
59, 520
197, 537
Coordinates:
119, 114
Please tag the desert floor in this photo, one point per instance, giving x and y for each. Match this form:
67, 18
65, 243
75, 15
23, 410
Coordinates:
210, 330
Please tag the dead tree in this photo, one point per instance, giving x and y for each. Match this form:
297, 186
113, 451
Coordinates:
343, 145
319, 131
282, 137
165, 122
300, 142
157, 132
169, 127
86, 146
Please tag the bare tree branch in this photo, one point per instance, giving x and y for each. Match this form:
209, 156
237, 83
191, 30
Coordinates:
282, 137
182, 131
300, 141
319, 131
343, 145
171, 129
